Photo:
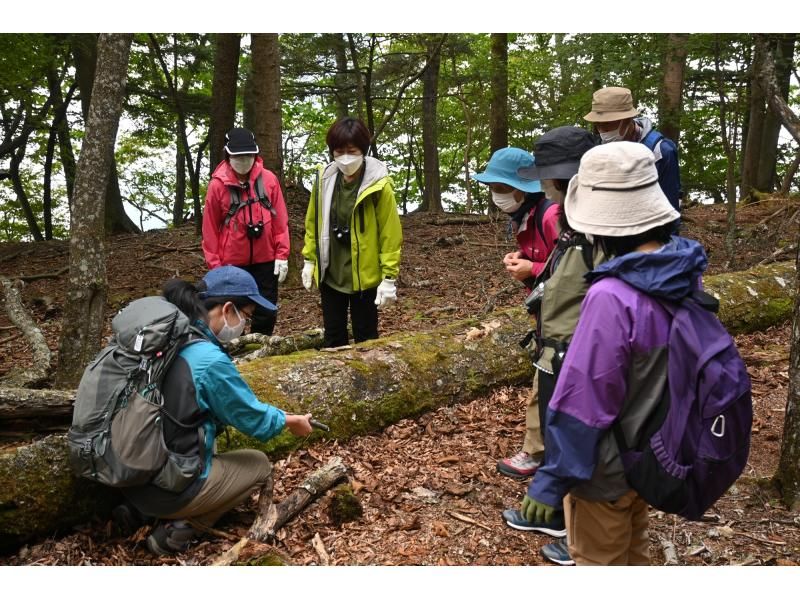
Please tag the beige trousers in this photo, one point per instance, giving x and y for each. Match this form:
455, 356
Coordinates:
608, 533
233, 477
533, 443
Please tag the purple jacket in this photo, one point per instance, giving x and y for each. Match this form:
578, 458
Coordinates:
615, 367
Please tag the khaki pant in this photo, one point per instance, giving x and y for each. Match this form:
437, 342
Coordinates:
533, 443
608, 533
233, 477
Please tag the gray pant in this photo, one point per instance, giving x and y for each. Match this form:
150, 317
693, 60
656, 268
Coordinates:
233, 478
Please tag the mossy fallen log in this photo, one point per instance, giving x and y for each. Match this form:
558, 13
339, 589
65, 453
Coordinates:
357, 390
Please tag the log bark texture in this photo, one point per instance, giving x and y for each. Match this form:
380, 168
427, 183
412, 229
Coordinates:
360, 390
22, 320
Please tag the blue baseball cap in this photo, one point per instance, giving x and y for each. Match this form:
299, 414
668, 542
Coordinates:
230, 281
503, 167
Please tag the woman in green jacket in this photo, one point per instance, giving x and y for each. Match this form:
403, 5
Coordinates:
353, 235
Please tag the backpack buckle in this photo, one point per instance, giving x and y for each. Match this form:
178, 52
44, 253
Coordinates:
718, 427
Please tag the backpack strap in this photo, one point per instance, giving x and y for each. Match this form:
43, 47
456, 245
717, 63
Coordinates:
542, 207
262, 196
652, 139
236, 203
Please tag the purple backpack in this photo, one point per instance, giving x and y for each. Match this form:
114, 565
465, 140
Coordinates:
695, 444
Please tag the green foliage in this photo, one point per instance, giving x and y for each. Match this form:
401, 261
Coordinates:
376, 76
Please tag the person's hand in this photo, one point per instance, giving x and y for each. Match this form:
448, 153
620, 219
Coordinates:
299, 425
519, 268
533, 510
387, 293
509, 257
281, 269
308, 274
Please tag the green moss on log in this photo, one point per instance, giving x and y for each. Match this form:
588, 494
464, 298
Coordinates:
345, 505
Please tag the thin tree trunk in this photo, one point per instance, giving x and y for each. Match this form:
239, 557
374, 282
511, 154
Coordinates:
790, 174
47, 191
755, 126
788, 474
772, 90
180, 181
266, 76
669, 112
86, 293
498, 111
223, 93
432, 195
768, 156
22, 195
341, 79
354, 58
61, 126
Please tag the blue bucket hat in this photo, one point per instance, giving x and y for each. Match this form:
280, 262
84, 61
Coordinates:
503, 167
230, 281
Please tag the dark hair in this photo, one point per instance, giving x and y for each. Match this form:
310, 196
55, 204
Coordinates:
615, 246
348, 130
563, 225
186, 297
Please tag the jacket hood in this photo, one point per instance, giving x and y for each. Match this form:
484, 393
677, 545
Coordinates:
671, 272
645, 123
225, 173
375, 172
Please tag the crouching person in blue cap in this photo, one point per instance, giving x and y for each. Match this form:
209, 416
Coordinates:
204, 385
534, 222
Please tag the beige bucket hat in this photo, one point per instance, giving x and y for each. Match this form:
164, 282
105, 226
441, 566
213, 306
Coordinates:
611, 103
616, 192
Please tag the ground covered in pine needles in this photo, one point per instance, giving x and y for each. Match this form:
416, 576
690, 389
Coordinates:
428, 486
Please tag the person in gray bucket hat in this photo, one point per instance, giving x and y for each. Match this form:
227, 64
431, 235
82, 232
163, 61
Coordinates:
561, 290
615, 119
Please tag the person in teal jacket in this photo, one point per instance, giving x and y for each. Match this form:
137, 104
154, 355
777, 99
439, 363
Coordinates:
353, 235
203, 386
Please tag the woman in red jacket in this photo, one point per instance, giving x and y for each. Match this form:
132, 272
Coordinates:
245, 222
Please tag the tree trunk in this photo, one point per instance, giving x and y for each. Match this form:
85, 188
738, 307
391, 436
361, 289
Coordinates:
344, 87
498, 115
85, 53
22, 196
790, 174
755, 127
180, 181
788, 474
768, 156
223, 94
772, 90
432, 194
266, 80
86, 293
671, 97
37, 371
359, 391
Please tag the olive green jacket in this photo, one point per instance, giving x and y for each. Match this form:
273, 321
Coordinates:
376, 236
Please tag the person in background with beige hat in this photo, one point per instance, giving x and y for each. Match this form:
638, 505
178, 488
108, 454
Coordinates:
615, 369
615, 119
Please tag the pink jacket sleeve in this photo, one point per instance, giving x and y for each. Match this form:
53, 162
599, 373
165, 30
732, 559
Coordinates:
212, 221
280, 222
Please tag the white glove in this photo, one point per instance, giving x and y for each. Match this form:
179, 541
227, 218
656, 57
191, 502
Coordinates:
387, 293
281, 269
307, 274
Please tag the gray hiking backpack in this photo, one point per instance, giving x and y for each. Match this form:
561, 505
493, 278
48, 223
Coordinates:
117, 436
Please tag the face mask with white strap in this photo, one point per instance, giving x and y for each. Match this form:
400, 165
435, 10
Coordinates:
507, 202
242, 164
349, 163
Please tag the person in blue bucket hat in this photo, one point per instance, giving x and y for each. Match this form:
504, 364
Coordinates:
534, 222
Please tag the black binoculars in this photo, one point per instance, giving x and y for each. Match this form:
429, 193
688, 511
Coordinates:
341, 234
254, 230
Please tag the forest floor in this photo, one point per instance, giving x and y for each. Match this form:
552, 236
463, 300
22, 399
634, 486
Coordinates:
428, 485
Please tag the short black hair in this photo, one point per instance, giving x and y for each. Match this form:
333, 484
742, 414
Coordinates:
348, 130
615, 246
186, 297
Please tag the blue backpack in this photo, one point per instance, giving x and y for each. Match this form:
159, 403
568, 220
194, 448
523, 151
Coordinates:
695, 444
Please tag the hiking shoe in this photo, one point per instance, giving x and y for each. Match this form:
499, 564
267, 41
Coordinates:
554, 528
127, 519
171, 537
557, 553
520, 466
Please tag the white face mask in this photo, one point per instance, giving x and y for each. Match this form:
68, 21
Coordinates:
242, 164
507, 202
349, 163
615, 135
228, 333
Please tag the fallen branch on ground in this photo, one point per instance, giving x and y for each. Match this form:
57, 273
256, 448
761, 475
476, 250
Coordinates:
41, 352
